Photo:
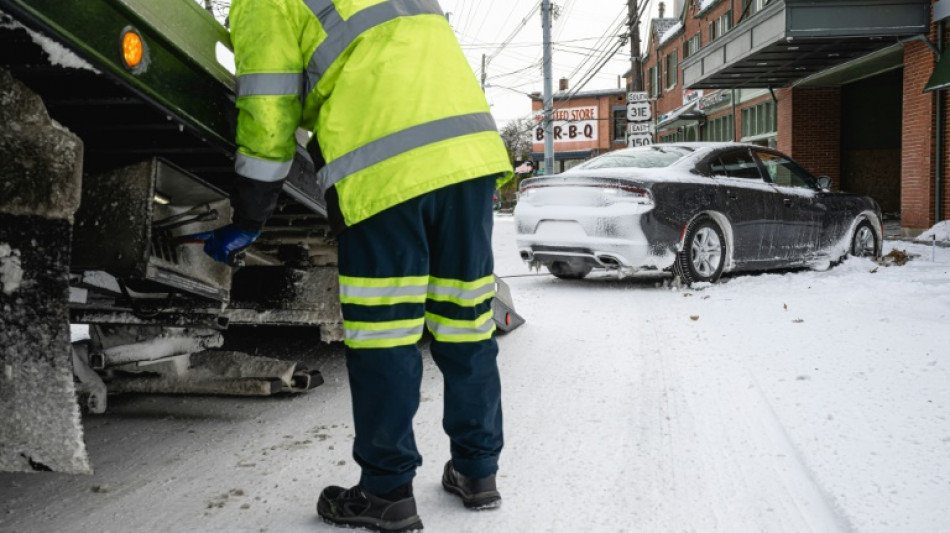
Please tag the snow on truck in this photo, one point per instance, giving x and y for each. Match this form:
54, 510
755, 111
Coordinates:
116, 140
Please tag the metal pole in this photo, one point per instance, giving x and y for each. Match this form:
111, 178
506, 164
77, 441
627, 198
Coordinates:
636, 68
483, 72
548, 95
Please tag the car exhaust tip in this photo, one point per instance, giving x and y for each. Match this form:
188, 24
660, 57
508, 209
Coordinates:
608, 261
526, 255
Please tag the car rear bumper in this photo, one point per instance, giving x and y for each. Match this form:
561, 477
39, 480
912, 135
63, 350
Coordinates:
611, 238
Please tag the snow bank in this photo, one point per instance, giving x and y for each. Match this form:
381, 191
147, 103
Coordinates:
55, 52
940, 232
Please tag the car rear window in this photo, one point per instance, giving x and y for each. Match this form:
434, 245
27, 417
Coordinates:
645, 157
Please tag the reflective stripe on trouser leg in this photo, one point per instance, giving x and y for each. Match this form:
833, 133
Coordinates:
384, 280
459, 314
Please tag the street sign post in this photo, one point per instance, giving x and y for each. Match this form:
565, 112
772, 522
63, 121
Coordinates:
639, 114
639, 134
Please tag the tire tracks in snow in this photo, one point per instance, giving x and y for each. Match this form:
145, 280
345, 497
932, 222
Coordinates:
714, 455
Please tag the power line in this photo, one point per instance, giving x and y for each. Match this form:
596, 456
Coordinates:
527, 44
513, 34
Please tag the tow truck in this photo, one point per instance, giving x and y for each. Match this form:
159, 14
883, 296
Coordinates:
117, 123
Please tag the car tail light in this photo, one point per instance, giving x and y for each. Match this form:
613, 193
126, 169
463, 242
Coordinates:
620, 193
611, 192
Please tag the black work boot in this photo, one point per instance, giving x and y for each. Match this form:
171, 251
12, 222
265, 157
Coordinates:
360, 509
476, 494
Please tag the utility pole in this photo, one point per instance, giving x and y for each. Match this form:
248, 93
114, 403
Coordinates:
548, 96
636, 69
483, 72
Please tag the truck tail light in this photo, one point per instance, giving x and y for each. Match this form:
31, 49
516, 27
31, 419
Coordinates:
134, 53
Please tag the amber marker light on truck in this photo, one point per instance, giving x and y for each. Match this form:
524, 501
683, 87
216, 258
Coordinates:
134, 52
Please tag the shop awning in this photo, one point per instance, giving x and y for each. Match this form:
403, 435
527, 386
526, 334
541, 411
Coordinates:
789, 40
688, 113
941, 76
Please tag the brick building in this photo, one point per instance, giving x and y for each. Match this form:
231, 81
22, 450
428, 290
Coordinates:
848, 88
586, 124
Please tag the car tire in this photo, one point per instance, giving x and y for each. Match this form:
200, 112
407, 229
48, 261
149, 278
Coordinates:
704, 253
865, 242
563, 270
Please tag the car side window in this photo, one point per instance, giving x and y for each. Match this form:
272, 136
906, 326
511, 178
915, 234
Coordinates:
735, 164
784, 172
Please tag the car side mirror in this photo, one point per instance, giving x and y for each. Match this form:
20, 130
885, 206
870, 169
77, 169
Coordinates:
824, 182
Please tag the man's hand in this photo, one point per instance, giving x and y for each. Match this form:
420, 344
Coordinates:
224, 243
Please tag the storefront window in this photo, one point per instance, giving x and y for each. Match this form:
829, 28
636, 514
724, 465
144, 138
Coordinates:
620, 124
719, 129
759, 124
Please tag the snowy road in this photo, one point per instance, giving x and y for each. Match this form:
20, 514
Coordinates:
805, 401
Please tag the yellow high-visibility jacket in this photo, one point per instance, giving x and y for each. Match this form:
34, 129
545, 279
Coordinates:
383, 85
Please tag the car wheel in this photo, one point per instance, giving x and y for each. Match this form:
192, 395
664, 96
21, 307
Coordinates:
704, 253
563, 270
865, 242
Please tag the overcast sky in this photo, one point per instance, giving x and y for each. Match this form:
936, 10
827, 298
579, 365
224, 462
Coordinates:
583, 35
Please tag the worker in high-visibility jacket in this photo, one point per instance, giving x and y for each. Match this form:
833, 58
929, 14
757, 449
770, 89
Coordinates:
412, 157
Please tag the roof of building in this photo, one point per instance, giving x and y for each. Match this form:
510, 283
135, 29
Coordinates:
658, 28
570, 95
663, 25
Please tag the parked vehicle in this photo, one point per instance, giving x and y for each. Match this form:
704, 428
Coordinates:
697, 210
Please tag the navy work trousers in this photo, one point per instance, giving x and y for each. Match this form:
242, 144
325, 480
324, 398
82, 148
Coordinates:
429, 257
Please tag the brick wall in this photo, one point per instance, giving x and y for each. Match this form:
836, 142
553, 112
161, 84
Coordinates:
809, 129
605, 139
945, 180
917, 145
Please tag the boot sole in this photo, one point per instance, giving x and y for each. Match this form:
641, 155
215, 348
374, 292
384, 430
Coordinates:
475, 504
415, 527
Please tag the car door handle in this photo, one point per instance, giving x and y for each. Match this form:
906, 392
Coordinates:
731, 195
787, 202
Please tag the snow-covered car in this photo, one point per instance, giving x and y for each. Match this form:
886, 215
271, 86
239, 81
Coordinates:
696, 209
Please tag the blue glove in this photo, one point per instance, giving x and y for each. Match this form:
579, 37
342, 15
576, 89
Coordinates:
223, 243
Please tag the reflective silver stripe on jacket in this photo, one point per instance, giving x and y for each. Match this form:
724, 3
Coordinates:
259, 169
400, 142
269, 84
376, 334
443, 330
382, 292
462, 294
341, 34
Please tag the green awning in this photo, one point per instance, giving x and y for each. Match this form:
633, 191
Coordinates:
941, 75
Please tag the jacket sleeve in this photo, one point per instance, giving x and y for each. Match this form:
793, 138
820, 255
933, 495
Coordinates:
270, 82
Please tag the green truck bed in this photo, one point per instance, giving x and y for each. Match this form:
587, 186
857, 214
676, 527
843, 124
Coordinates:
179, 107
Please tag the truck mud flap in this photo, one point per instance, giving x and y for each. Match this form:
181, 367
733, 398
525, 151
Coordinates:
503, 309
40, 425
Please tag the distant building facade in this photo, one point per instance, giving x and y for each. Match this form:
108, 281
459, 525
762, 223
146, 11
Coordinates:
585, 124
852, 90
